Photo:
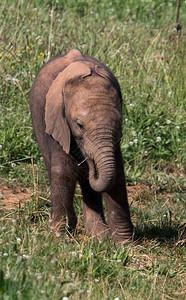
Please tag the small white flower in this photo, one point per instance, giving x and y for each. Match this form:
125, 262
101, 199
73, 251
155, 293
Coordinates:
13, 165
158, 139
134, 133
18, 240
126, 120
170, 94
39, 277
88, 291
146, 153
131, 104
73, 275
141, 267
5, 254
26, 256
1, 147
53, 278
42, 291
13, 221
168, 122
157, 123
15, 80
74, 253
118, 260
65, 298
178, 127
136, 141
131, 143
178, 140
116, 298
58, 234
80, 256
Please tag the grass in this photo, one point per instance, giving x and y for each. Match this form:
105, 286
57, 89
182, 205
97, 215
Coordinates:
138, 42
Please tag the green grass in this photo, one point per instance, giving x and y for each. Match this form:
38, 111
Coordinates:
138, 42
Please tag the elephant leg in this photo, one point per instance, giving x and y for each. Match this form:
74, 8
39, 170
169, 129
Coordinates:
94, 220
119, 220
63, 181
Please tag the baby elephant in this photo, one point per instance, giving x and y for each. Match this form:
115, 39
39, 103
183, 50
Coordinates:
76, 109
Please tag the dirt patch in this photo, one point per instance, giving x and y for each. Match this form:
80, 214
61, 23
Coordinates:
16, 196
12, 198
134, 192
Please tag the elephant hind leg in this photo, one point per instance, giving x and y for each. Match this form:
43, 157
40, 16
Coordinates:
94, 220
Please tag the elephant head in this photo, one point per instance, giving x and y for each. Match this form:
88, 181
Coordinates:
85, 99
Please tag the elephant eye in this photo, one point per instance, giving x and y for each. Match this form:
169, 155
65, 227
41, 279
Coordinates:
79, 124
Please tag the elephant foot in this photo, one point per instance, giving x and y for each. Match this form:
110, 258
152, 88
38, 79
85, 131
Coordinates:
94, 224
59, 226
98, 230
124, 236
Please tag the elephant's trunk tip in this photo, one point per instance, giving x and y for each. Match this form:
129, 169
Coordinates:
100, 180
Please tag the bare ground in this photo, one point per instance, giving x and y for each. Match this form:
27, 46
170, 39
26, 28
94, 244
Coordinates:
15, 196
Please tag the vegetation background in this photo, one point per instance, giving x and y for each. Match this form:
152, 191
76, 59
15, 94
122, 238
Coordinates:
138, 41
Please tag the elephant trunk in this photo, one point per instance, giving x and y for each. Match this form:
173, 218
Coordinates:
102, 169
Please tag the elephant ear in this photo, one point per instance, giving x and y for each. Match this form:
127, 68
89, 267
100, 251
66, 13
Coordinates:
102, 72
56, 123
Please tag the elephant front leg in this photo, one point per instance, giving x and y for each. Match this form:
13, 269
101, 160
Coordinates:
93, 215
119, 220
62, 211
63, 181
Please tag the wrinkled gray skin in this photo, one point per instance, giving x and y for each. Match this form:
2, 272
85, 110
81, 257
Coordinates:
76, 112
